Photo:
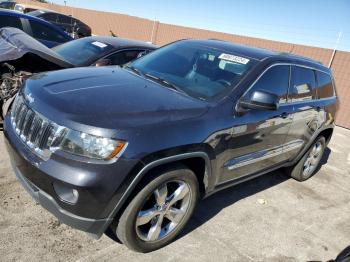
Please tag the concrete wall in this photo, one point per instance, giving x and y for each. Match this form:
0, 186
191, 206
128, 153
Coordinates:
159, 33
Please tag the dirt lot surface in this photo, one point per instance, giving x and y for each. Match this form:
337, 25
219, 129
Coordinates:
271, 218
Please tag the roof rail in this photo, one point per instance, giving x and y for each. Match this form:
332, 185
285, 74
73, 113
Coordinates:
300, 56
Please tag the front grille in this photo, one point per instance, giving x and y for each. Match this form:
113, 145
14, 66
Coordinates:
37, 132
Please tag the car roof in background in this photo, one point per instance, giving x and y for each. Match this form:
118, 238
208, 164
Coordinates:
118, 42
42, 21
260, 53
15, 13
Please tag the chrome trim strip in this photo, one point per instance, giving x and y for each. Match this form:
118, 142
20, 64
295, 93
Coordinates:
262, 155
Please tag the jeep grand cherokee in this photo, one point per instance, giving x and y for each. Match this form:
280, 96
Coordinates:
129, 151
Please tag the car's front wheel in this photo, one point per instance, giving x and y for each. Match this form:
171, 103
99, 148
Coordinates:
160, 210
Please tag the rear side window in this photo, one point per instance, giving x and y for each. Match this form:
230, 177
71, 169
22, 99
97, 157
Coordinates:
64, 19
52, 17
303, 84
324, 85
10, 21
124, 57
43, 32
275, 80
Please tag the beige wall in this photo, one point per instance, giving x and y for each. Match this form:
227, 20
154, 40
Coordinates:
160, 34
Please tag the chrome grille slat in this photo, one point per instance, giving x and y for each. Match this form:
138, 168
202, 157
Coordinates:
22, 119
37, 132
39, 136
27, 123
18, 115
44, 139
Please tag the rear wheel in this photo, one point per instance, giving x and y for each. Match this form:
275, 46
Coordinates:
308, 164
159, 211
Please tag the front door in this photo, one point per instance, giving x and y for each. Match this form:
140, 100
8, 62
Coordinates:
258, 136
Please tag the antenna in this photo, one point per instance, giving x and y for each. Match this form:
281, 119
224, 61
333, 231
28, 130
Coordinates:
335, 48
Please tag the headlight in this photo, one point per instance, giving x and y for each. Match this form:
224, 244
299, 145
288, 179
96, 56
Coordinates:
91, 146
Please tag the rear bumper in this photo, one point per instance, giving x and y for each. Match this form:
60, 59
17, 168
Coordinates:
95, 227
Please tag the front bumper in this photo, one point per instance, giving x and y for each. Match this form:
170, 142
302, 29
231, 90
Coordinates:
95, 227
99, 186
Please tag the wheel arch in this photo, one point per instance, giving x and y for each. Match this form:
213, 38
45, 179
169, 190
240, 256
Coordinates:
189, 159
326, 132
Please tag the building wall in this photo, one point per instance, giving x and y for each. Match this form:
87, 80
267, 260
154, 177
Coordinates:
159, 33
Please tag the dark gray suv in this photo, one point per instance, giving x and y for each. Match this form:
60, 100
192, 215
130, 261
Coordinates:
129, 151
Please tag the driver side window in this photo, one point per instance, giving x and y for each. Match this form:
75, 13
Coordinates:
275, 81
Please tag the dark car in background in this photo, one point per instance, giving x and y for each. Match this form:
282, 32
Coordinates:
129, 151
23, 56
45, 32
72, 25
7, 5
102, 51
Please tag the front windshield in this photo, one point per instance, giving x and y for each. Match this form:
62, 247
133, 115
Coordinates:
82, 51
198, 70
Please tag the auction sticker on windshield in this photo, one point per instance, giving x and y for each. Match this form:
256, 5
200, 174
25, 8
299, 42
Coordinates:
99, 44
234, 58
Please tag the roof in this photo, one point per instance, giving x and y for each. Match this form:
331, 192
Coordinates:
29, 6
118, 42
29, 17
260, 53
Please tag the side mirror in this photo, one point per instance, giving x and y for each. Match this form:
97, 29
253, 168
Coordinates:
103, 62
260, 100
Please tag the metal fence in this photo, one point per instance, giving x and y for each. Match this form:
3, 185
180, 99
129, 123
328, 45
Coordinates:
102, 23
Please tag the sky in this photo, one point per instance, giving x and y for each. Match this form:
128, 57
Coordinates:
320, 23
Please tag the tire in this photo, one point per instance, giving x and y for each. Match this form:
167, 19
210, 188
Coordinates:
299, 171
169, 198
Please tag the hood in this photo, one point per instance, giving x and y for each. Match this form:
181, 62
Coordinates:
107, 97
14, 44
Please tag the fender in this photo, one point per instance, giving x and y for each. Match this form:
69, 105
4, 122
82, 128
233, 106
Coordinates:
307, 146
144, 171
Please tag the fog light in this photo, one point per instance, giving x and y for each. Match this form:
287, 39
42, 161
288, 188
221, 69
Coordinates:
66, 193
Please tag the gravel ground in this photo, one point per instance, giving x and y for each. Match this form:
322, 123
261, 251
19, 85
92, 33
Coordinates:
271, 218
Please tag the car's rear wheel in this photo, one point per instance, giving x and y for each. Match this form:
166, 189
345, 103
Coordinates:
160, 210
309, 163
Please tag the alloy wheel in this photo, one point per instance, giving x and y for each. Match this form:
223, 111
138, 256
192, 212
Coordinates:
163, 211
313, 159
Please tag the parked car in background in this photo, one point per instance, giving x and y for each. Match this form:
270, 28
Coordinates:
24, 8
129, 151
72, 25
7, 5
45, 32
102, 51
22, 56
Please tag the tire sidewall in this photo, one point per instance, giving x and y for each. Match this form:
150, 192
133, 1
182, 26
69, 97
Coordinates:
300, 166
126, 230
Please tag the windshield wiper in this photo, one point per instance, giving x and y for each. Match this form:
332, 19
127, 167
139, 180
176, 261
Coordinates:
135, 70
164, 82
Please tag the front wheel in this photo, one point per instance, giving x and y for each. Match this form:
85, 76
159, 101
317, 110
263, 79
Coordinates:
160, 210
308, 164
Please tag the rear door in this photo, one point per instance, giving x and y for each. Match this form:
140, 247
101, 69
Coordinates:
303, 105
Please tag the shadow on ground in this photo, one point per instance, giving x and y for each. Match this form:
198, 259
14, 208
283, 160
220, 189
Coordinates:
211, 206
